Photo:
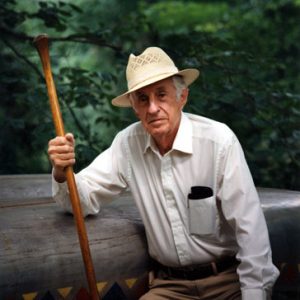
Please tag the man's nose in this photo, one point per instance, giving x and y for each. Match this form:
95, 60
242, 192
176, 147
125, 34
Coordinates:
153, 106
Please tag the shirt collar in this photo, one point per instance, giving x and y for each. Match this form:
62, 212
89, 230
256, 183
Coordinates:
183, 141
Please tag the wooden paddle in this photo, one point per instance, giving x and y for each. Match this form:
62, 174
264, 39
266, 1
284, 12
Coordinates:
42, 45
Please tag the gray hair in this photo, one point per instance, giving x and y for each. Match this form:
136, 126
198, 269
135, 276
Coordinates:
179, 84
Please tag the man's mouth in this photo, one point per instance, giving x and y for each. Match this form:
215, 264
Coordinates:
156, 120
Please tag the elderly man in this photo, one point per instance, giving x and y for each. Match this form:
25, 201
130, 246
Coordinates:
188, 176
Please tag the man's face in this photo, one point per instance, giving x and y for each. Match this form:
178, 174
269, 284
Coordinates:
158, 109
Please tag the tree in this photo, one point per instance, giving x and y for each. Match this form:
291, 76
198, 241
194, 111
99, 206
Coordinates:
248, 54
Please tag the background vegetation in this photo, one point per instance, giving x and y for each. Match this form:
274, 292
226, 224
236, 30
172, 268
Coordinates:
248, 52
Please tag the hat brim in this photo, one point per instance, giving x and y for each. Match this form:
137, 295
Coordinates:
188, 75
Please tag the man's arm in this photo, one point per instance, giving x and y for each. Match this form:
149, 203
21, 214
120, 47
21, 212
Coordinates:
241, 208
99, 182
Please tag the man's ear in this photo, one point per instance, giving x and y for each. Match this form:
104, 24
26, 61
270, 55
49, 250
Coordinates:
184, 96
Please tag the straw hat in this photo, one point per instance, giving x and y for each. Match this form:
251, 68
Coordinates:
149, 67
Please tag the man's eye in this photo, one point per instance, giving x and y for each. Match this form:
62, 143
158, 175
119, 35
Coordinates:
161, 95
142, 98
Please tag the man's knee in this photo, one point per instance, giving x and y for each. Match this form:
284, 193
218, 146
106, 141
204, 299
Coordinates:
147, 296
144, 297
151, 296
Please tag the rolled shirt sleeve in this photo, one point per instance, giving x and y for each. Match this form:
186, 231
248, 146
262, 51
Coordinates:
104, 179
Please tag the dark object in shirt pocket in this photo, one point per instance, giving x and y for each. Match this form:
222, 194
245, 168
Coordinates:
200, 192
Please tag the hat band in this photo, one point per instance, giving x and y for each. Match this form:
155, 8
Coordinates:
135, 82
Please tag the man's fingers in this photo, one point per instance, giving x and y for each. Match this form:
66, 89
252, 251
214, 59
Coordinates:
63, 163
62, 160
61, 151
70, 138
59, 140
64, 156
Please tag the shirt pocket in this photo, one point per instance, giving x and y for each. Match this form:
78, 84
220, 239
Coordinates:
202, 216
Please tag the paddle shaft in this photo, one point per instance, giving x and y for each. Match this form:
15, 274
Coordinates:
42, 45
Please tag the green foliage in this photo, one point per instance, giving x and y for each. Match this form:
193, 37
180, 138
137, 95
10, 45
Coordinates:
179, 16
247, 51
22, 119
250, 81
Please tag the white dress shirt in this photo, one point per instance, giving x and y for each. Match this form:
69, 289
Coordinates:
179, 232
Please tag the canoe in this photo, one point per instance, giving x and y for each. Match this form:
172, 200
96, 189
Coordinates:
40, 256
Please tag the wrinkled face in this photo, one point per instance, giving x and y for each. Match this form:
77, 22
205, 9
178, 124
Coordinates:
158, 109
